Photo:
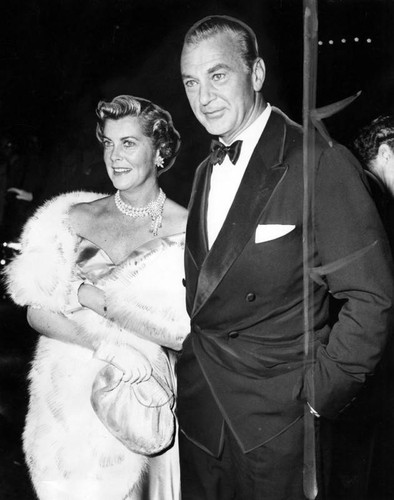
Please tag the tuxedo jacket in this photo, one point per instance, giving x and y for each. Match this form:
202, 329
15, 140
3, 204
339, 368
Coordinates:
244, 361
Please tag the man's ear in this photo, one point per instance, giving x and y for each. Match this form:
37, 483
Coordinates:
258, 74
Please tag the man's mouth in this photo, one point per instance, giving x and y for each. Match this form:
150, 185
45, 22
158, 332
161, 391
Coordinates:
214, 113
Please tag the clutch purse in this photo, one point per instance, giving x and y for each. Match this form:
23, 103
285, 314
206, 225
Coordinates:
139, 414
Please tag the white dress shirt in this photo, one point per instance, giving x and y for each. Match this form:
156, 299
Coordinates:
226, 178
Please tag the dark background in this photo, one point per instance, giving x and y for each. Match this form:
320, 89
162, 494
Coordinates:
60, 57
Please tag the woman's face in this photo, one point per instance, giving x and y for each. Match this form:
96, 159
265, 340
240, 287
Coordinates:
129, 155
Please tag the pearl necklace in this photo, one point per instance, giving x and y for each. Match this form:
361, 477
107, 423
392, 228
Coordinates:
154, 210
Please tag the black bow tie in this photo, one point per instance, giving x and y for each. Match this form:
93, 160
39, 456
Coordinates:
219, 151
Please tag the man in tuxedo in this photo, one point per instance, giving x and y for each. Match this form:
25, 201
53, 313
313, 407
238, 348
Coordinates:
243, 378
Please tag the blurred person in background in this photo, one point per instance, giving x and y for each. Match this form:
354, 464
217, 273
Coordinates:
23, 180
374, 146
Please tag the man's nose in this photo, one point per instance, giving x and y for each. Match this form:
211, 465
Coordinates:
206, 93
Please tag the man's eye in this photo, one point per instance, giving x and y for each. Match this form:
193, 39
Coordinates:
190, 83
218, 76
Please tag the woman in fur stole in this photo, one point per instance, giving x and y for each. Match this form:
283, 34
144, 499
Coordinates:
102, 276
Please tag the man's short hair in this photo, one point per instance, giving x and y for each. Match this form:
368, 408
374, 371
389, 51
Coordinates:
379, 131
213, 25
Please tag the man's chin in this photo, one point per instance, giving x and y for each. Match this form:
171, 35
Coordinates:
215, 129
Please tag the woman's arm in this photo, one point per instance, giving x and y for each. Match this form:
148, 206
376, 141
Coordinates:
60, 327
94, 298
134, 365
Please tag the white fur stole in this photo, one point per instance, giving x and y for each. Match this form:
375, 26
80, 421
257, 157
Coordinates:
41, 274
145, 295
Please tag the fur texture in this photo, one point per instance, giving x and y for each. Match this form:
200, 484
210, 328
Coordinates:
70, 454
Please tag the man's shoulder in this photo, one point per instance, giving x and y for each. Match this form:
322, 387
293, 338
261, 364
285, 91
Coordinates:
295, 132
294, 137
278, 114
282, 128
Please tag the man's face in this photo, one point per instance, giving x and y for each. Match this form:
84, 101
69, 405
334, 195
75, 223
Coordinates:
218, 85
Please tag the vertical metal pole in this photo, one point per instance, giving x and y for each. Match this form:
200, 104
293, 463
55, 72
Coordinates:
309, 104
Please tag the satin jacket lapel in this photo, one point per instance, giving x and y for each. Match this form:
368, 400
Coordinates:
196, 233
264, 172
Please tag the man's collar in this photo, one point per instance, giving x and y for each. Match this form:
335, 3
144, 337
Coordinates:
255, 129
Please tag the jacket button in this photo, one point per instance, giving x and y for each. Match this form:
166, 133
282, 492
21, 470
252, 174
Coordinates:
183, 282
233, 335
250, 297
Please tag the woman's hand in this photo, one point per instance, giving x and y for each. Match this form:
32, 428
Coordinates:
134, 365
82, 293
72, 300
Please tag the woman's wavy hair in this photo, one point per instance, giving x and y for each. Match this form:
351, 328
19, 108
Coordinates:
379, 131
156, 123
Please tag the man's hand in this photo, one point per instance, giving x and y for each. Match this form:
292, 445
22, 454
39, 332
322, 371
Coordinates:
21, 194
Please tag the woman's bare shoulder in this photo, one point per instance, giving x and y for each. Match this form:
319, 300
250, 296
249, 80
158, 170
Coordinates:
84, 214
175, 216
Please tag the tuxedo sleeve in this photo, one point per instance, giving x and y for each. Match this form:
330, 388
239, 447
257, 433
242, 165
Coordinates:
357, 269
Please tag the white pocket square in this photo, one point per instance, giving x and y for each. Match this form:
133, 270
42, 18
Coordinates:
268, 232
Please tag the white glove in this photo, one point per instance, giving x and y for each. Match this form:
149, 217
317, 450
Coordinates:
134, 365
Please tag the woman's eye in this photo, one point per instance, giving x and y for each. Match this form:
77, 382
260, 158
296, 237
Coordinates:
107, 144
128, 144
